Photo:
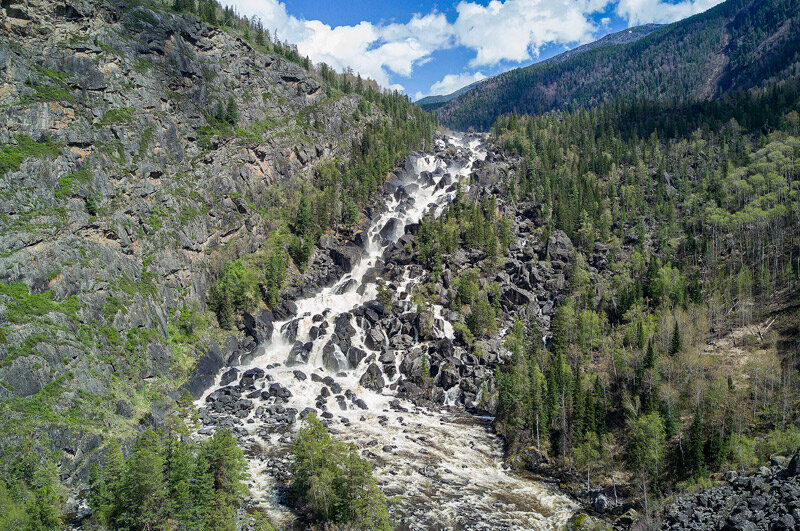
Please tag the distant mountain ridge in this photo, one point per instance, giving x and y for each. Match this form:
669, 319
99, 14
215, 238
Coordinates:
735, 45
621, 37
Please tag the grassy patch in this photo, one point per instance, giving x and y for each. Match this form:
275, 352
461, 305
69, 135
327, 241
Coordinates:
22, 304
255, 131
147, 137
45, 93
11, 156
117, 116
66, 184
112, 306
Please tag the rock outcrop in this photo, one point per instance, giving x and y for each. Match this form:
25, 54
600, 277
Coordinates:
121, 195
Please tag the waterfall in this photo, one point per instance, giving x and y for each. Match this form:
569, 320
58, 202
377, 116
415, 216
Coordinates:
446, 466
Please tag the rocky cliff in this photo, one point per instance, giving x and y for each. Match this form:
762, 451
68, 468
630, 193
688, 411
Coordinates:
122, 190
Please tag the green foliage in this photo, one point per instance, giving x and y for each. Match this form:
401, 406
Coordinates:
12, 155
66, 184
334, 483
22, 305
235, 291
482, 318
169, 479
671, 64
29, 492
122, 115
300, 249
645, 451
45, 93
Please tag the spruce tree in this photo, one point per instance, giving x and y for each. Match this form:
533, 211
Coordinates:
232, 112
675, 346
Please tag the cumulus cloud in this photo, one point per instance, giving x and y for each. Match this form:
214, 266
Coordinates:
638, 12
374, 51
515, 30
501, 31
451, 83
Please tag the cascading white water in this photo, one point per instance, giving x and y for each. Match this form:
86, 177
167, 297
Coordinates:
446, 466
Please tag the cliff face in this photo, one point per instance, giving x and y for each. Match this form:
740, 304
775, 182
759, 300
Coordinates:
123, 187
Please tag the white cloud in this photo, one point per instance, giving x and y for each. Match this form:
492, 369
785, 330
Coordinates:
502, 30
638, 12
515, 30
451, 83
374, 51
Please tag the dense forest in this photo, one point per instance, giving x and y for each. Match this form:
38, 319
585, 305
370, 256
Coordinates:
685, 221
735, 45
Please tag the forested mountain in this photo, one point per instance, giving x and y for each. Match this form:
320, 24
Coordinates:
735, 45
621, 37
654, 246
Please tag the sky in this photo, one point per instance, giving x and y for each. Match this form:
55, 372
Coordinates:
429, 47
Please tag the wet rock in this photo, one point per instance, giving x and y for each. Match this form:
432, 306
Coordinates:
345, 256
343, 328
333, 359
229, 377
300, 375
448, 375
375, 339
355, 355
259, 327
372, 378
250, 376
298, 355
286, 310
276, 389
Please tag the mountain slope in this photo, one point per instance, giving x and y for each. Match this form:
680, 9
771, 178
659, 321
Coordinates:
735, 45
431, 103
140, 151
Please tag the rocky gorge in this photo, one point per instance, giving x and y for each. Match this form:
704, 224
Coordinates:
122, 195
357, 359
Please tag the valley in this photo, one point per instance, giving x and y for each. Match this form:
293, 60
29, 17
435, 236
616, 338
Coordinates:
240, 290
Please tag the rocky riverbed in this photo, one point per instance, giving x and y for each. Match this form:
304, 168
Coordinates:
355, 360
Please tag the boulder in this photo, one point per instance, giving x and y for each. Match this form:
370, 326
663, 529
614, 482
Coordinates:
209, 364
228, 377
333, 359
559, 247
298, 355
345, 256
355, 355
372, 378
375, 339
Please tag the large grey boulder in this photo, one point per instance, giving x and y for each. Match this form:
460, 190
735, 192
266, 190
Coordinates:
559, 247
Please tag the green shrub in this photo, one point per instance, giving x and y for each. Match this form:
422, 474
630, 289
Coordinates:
117, 116
235, 291
66, 184
11, 155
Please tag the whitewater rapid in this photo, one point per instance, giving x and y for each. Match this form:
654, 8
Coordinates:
445, 467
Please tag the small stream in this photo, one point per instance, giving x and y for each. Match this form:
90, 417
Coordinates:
445, 466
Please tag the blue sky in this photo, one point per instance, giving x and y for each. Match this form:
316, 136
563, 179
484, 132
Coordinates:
426, 47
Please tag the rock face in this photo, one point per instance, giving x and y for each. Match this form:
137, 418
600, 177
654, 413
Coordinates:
122, 197
769, 500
